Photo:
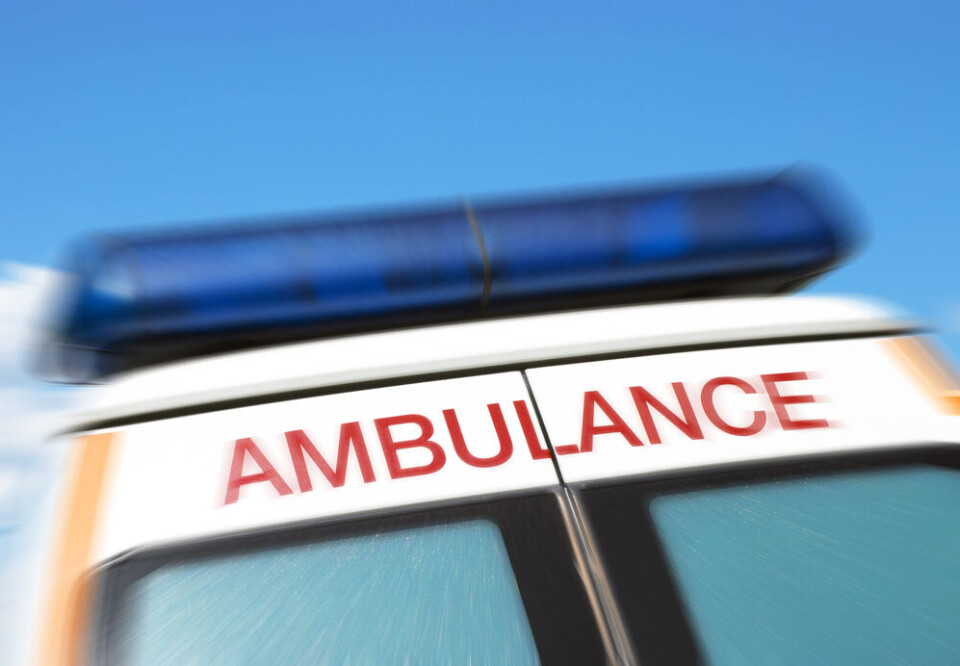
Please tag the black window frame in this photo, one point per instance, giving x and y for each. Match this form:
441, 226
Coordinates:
552, 586
636, 565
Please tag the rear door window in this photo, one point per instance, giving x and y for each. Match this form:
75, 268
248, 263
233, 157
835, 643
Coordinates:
442, 593
491, 584
818, 564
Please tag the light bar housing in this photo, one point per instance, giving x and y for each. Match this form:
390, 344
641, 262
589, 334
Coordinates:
142, 298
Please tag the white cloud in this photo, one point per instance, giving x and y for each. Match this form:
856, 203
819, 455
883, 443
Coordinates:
29, 408
25, 292
28, 414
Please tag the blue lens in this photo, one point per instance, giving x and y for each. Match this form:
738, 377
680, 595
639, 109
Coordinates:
138, 297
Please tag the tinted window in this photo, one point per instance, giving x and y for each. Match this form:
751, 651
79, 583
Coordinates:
494, 583
846, 567
439, 594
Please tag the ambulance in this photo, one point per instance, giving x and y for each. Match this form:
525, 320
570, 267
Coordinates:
593, 428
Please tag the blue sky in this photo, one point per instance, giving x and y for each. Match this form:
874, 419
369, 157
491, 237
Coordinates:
123, 116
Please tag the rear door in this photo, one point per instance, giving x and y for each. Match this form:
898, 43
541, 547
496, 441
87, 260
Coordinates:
778, 504
421, 523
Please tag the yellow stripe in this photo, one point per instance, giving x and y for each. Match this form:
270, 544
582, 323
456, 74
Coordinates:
68, 612
927, 367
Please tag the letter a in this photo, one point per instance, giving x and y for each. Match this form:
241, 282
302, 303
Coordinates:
267, 472
617, 424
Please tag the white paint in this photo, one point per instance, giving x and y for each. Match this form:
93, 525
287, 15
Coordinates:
475, 345
168, 478
863, 393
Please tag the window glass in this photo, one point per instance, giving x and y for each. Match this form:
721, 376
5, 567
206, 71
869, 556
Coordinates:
857, 568
438, 594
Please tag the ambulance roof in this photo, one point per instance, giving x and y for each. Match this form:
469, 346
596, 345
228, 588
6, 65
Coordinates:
465, 348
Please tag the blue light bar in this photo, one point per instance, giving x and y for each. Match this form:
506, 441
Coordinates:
143, 298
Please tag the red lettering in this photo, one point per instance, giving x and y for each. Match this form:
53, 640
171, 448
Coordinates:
268, 472
590, 429
780, 402
706, 397
350, 437
460, 446
537, 450
390, 446
687, 424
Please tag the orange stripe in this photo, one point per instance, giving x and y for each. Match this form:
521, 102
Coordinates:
928, 368
68, 610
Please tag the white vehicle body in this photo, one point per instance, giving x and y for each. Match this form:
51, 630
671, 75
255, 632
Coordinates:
401, 421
